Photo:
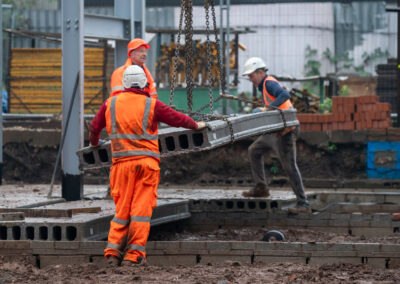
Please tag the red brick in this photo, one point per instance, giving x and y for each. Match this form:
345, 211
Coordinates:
340, 108
385, 107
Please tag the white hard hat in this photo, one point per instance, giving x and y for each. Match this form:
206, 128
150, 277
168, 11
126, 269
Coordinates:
134, 77
252, 64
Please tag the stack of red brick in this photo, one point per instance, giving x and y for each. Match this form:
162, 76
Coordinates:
349, 113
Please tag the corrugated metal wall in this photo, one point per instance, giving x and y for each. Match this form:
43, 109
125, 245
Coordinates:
35, 80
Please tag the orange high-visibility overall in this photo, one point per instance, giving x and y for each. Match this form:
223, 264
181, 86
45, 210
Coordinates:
116, 80
135, 173
268, 99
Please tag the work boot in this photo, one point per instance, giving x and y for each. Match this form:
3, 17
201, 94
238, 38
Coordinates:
260, 190
300, 209
140, 261
113, 261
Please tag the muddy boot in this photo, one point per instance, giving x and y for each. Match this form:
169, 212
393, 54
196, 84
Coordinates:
300, 209
113, 261
140, 261
260, 190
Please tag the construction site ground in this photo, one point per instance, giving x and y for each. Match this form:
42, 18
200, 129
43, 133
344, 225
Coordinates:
331, 162
23, 269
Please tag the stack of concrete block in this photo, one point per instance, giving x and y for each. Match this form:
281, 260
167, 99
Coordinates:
349, 113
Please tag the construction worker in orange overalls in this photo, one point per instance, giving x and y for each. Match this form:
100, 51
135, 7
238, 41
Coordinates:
137, 55
132, 120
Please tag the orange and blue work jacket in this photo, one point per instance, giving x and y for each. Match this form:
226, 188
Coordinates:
273, 93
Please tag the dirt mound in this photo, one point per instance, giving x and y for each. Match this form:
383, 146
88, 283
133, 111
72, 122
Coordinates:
28, 164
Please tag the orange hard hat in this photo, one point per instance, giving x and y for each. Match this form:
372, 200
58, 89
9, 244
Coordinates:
136, 43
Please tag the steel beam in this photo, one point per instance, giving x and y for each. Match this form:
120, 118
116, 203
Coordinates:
134, 12
72, 65
176, 141
118, 29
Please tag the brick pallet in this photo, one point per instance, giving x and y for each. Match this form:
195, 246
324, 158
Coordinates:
349, 113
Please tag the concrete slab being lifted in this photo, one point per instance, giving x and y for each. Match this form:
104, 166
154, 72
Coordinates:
176, 141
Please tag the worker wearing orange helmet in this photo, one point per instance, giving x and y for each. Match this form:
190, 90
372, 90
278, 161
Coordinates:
132, 120
137, 55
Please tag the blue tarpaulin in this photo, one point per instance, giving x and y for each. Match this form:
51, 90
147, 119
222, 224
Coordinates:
383, 160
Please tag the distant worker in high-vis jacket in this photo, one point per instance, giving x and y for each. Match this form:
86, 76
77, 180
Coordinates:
283, 143
137, 55
132, 119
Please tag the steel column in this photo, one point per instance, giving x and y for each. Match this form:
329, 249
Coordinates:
133, 11
1, 104
72, 64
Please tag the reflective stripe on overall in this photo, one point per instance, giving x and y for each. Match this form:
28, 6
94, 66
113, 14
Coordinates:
135, 172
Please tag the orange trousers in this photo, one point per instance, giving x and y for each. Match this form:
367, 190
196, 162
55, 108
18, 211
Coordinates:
133, 186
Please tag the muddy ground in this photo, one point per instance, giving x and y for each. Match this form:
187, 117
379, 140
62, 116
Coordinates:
28, 164
22, 271
161, 233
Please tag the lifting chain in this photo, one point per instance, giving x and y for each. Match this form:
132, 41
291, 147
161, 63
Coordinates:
177, 46
209, 75
189, 52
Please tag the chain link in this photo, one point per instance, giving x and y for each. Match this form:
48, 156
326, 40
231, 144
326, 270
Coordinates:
217, 42
189, 52
210, 78
177, 47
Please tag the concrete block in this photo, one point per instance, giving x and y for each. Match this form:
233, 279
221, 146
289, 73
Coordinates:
174, 245
335, 253
229, 252
94, 245
364, 224
338, 223
41, 245
21, 245
219, 245
381, 224
371, 232
377, 262
340, 247
67, 245
319, 260
193, 245
260, 246
280, 253
367, 247
389, 248
297, 246
47, 260
274, 259
310, 247
243, 245
218, 259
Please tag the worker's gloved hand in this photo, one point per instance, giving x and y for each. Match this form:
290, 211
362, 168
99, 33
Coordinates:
101, 142
202, 125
